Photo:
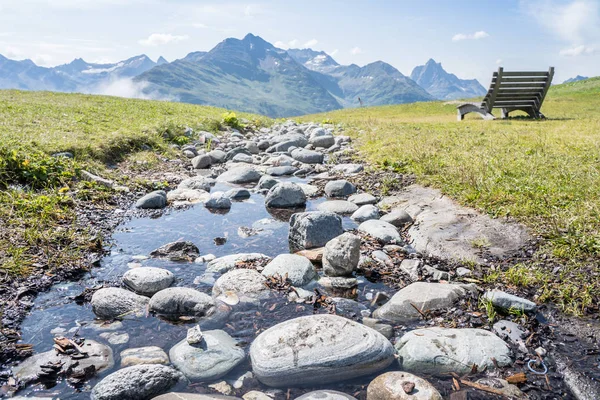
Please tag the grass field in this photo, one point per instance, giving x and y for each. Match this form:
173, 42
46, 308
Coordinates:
545, 174
37, 191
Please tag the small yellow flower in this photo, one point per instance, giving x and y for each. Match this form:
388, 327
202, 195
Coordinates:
26, 163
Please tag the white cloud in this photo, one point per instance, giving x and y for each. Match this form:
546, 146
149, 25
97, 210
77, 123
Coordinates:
311, 43
577, 51
157, 39
499, 61
289, 45
470, 36
356, 50
128, 88
334, 52
576, 22
44, 60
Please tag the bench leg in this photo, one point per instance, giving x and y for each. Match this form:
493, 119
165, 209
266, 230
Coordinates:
468, 108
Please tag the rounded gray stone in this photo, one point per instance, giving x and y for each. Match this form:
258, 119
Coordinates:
111, 303
178, 302
148, 280
227, 263
214, 357
299, 270
240, 175
194, 396
362, 199
325, 141
389, 386
285, 195
381, 230
238, 194
139, 382
196, 183
218, 200
217, 156
202, 161
282, 170
507, 301
267, 182
143, 355
398, 218
325, 395
313, 229
318, 349
307, 156
341, 255
153, 200
339, 188
365, 213
342, 207
243, 158
247, 282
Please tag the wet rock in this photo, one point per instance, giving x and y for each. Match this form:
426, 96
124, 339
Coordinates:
245, 282
307, 156
282, 171
218, 200
221, 387
193, 396
100, 356
509, 391
425, 296
195, 183
339, 188
508, 301
112, 303
148, 280
214, 357
341, 207
143, 355
318, 349
285, 195
266, 182
227, 263
441, 350
153, 200
115, 338
338, 283
313, 229
217, 156
177, 251
341, 255
299, 270
240, 175
176, 302
202, 161
401, 386
348, 168
362, 199
349, 308
191, 195
138, 382
383, 328
365, 213
398, 217
381, 230
325, 395
194, 335
238, 194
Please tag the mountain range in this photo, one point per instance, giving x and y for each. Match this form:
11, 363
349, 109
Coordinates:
577, 79
248, 74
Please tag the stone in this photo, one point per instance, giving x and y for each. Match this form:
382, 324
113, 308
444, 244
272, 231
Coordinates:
383, 328
299, 270
349, 308
194, 396
138, 382
148, 280
173, 303
313, 229
217, 156
88, 176
247, 282
509, 391
325, 395
410, 266
263, 145
218, 354
348, 168
282, 171
235, 151
194, 335
379, 255
342, 207
341, 255
307, 156
462, 271
221, 387
238, 194
381, 230
189, 195
425, 296
325, 141
362, 199
397, 217
266, 182
144, 355
436, 274
240, 175
339, 188
285, 195
365, 213
511, 332
115, 338
318, 350
196, 183
309, 190
100, 356
398, 385
153, 200
508, 301
113, 303
227, 263
177, 251
256, 395
314, 255
340, 283
437, 350
243, 158
252, 147
202, 161
218, 200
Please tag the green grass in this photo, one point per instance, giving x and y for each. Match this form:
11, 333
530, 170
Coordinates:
545, 174
38, 193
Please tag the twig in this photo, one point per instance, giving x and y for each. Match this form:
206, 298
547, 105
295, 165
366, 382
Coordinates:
484, 388
419, 311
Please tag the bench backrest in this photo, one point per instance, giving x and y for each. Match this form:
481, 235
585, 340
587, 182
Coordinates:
517, 90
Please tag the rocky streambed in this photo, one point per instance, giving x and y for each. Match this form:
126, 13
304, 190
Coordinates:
270, 273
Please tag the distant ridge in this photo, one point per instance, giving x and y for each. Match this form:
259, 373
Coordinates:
577, 79
443, 85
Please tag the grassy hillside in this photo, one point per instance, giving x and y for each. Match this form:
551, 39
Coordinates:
39, 193
545, 174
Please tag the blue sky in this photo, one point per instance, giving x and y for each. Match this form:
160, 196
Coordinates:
470, 38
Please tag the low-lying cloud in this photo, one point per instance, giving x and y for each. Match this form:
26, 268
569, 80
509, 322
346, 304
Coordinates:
128, 88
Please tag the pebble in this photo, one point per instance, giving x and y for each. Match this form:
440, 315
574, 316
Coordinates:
143, 355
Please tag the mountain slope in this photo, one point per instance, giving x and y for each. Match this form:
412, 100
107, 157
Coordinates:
577, 79
444, 86
247, 75
377, 83
26, 75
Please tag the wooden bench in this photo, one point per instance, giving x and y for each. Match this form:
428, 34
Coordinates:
512, 91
